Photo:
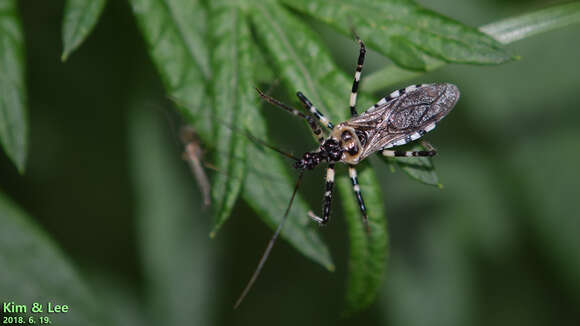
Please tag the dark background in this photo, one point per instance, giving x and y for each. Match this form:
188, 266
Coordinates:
499, 244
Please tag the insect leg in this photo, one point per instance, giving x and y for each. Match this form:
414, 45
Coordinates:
388, 153
430, 151
361, 203
324, 120
357, 74
327, 197
315, 128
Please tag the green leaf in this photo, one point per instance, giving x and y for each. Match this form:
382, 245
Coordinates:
305, 65
172, 48
393, 74
13, 117
173, 31
172, 229
403, 30
291, 46
419, 168
80, 17
261, 68
34, 270
368, 252
505, 31
232, 80
516, 28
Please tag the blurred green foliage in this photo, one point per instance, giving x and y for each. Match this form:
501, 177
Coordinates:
499, 244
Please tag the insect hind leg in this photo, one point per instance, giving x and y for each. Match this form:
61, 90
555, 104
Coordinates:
358, 193
430, 151
388, 153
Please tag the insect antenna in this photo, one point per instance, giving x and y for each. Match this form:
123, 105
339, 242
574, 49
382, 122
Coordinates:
258, 141
277, 103
270, 244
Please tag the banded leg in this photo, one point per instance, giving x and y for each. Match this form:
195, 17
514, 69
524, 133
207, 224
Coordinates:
323, 120
388, 153
429, 152
327, 197
361, 203
315, 128
357, 74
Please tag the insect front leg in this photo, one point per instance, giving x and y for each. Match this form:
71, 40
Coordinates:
318, 134
357, 74
327, 197
361, 203
323, 120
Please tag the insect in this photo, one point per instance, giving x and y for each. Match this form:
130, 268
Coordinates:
193, 155
399, 118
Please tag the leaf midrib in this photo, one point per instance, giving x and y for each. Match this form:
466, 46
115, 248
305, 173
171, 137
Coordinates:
297, 59
180, 31
236, 101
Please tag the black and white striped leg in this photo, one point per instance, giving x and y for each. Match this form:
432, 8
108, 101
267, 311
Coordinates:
361, 203
316, 130
323, 120
327, 197
388, 153
357, 74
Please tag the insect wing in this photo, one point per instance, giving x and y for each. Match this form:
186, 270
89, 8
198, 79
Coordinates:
405, 115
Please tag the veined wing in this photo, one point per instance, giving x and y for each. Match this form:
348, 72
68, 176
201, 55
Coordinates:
404, 115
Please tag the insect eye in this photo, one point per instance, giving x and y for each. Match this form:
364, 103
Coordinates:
362, 137
346, 135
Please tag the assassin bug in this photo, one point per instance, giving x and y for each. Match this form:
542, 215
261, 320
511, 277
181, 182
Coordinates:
399, 118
